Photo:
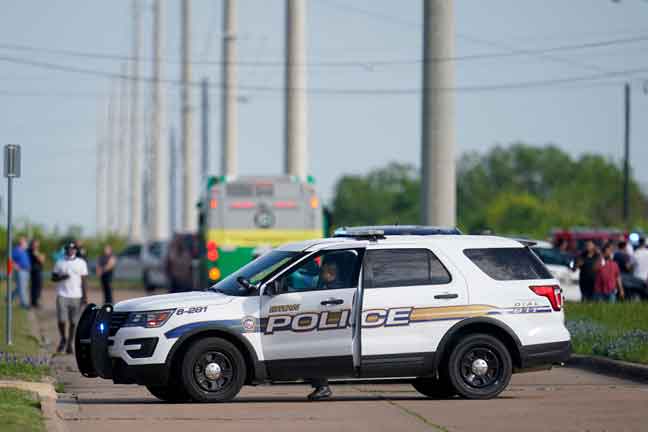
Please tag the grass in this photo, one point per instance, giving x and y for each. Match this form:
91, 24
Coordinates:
19, 412
618, 331
20, 360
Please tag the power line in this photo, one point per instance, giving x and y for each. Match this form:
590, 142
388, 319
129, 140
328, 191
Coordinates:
510, 52
341, 91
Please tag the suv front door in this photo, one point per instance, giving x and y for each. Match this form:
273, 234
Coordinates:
411, 296
306, 331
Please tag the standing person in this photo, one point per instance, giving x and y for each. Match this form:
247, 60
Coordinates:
37, 259
623, 259
641, 257
586, 263
608, 277
105, 265
21, 269
69, 273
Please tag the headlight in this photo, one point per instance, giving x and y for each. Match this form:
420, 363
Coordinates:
150, 319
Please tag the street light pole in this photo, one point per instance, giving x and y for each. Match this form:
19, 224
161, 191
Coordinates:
626, 159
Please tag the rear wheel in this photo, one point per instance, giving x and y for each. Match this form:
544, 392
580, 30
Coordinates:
213, 370
169, 393
479, 367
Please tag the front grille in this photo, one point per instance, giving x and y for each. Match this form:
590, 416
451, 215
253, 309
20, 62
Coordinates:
117, 321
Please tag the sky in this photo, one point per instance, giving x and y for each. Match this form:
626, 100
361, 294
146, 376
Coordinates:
56, 115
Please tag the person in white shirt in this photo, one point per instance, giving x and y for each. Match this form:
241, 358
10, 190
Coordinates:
641, 259
69, 273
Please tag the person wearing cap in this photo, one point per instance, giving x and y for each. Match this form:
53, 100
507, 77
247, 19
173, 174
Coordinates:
69, 273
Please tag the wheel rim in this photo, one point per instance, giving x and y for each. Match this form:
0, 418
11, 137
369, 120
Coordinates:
480, 367
213, 371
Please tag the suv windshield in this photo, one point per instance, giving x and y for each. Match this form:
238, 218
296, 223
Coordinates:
254, 272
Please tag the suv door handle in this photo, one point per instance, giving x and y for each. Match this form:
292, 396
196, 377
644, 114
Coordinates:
331, 301
446, 296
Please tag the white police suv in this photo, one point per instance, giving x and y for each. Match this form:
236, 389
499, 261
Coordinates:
450, 314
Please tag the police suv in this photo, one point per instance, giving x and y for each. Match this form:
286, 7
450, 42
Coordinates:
451, 314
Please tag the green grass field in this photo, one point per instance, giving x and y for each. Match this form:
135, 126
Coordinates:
21, 359
618, 331
19, 412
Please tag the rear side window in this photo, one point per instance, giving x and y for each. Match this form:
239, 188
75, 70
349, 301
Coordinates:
405, 267
516, 263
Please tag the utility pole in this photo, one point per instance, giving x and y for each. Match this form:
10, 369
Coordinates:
189, 198
438, 188
122, 201
159, 162
135, 228
173, 181
100, 174
113, 161
204, 109
626, 159
296, 108
230, 114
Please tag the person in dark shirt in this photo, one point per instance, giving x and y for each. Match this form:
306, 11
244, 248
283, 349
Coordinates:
37, 259
586, 262
623, 260
105, 266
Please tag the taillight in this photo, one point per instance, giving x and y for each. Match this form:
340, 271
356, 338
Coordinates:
552, 292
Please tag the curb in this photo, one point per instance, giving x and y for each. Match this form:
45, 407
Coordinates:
47, 398
616, 368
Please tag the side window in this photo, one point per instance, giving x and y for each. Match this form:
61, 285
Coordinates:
515, 263
325, 270
405, 267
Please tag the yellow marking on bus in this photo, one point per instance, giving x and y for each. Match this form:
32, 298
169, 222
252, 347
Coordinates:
256, 237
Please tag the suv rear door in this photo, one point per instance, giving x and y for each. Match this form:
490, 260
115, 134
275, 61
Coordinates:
411, 295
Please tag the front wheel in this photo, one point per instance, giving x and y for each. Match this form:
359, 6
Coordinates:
479, 367
213, 370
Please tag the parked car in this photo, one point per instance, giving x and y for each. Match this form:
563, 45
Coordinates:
562, 267
147, 264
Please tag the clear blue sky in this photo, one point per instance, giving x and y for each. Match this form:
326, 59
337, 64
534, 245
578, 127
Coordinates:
53, 114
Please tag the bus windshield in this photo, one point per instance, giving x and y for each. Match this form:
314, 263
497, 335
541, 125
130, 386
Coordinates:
254, 272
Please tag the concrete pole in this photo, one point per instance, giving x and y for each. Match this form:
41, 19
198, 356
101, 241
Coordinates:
173, 181
230, 114
296, 104
438, 188
159, 154
123, 201
100, 174
626, 156
113, 161
204, 127
189, 197
135, 228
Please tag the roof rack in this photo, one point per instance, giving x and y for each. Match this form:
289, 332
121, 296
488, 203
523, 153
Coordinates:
393, 230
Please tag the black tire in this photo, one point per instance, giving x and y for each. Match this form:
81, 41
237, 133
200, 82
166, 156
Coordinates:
231, 370
170, 393
435, 388
465, 359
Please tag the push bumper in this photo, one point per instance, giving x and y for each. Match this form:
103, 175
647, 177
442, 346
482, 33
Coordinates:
91, 342
546, 354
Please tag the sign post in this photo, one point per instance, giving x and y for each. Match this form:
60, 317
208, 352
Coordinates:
11, 170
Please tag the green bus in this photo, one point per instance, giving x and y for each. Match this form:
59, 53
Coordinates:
240, 218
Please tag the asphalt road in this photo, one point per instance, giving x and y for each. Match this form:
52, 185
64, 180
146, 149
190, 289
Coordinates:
563, 399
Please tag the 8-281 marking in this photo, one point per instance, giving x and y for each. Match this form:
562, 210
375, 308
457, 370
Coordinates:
194, 309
